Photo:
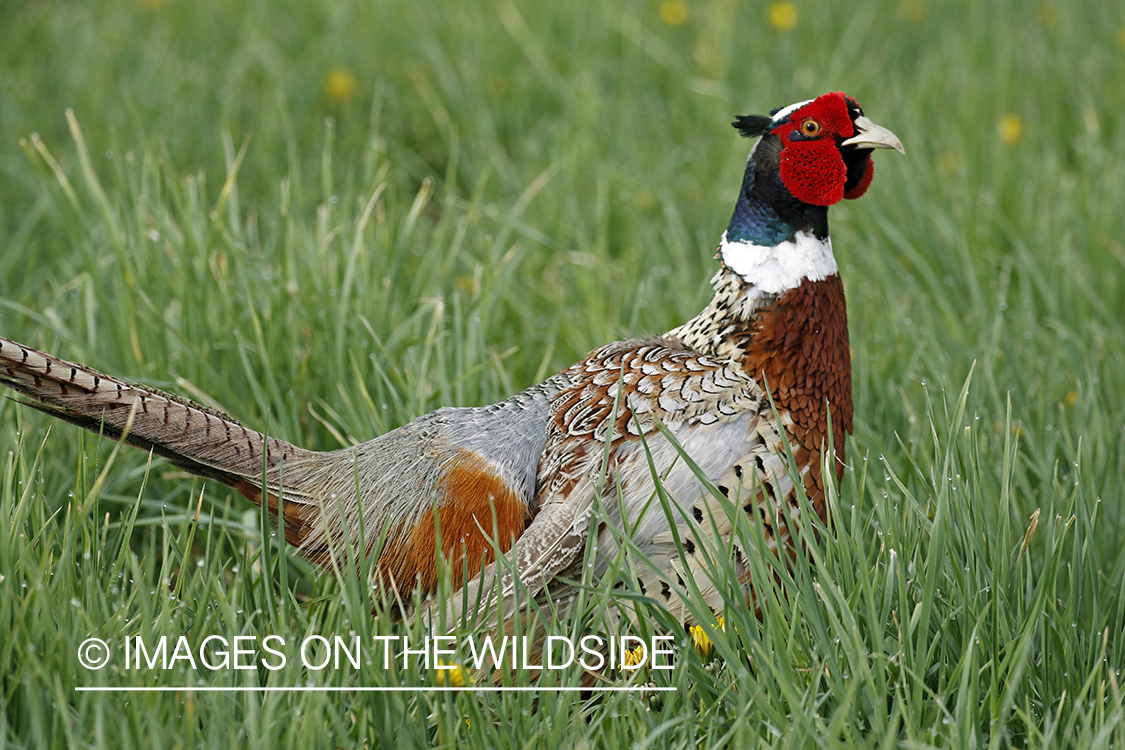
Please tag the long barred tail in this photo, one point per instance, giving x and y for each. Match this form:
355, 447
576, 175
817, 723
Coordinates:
198, 439
465, 475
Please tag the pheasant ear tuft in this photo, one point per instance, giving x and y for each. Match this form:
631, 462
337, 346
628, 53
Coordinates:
752, 126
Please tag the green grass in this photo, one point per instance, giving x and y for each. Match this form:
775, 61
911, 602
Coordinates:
508, 186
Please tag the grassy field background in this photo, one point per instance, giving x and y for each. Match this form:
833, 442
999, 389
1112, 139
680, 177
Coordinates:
328, 218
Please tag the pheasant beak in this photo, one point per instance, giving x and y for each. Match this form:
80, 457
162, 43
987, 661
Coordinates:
870, 135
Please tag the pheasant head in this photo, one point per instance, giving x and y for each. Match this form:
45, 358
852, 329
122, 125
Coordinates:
809, 156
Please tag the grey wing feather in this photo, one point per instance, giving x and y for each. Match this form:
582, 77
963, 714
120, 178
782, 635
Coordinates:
398, 475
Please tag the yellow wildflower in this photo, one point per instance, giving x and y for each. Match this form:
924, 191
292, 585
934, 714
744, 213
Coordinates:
451, 675
699, 639
339, 84
633, 657
782, 16
674, 12
1011, 128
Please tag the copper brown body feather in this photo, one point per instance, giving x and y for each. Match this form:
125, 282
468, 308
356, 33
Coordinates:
799, 346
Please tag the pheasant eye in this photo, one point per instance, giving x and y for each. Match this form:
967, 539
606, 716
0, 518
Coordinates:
810, 127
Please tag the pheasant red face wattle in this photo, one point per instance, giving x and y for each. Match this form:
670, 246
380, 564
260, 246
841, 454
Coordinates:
814, 140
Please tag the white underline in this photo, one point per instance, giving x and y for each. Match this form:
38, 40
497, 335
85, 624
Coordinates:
324, 689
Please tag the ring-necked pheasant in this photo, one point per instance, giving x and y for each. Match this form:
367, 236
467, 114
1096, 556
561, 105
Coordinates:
525, 472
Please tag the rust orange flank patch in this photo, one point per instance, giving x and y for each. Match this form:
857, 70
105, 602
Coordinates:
470, 496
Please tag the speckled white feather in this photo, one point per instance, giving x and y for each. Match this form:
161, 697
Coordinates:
777, 269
